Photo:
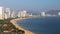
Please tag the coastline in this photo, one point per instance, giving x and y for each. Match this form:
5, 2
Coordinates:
13, 21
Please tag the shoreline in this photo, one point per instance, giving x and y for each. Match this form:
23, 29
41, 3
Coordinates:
13, 21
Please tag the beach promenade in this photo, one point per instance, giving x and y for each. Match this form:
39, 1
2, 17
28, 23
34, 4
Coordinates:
13, 21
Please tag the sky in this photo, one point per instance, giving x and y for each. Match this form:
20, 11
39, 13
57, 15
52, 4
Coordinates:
34, 5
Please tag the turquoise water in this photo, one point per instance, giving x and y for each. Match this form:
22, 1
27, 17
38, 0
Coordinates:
41, 25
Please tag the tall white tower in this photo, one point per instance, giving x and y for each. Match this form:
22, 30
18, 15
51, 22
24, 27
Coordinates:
1, 12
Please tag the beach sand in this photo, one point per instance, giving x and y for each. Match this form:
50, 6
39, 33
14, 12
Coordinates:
13, 21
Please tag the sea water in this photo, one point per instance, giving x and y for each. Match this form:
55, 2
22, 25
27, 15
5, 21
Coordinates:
41, 25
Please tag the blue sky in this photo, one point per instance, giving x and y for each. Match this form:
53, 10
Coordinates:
35, 5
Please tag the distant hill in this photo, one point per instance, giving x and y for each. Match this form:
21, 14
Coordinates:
53, 12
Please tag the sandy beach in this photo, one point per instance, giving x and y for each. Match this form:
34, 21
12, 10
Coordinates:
13, 21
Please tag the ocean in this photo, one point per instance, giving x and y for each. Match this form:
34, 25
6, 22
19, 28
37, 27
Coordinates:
41, 25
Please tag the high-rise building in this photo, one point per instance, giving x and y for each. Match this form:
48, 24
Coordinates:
1, 12
5, 16
14, 14
43, 14
18, 14
58, 13
8, 12
23, 13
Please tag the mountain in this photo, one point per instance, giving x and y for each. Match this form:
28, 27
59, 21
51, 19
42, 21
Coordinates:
53, 12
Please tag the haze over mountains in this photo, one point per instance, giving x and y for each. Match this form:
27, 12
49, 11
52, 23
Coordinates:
53, 12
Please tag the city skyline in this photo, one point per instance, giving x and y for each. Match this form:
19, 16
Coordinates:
7, 13
31, 5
